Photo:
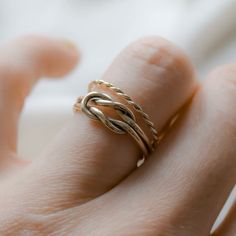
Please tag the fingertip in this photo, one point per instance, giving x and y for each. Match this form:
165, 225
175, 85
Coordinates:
49, 56
61, 58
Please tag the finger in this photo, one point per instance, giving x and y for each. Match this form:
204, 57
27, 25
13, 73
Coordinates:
22, 62
90, 159
184, 186
228, 227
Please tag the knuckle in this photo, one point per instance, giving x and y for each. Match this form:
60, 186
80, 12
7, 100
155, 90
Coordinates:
221, 85
159, 53
224, 76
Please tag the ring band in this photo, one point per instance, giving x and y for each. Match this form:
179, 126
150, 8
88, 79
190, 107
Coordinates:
90, 104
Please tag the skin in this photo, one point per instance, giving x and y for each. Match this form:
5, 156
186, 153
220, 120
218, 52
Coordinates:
86, 182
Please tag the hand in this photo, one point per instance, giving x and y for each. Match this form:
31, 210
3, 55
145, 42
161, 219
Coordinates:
86, 183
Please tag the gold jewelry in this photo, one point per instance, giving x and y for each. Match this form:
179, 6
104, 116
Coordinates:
127, 124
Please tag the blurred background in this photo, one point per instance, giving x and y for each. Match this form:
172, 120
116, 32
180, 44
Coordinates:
205, 29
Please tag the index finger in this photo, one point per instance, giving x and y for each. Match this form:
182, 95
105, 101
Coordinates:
22, 63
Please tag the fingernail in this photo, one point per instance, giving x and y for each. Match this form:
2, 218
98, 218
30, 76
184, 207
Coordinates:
69, 44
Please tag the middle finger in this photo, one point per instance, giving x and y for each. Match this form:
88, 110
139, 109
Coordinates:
181, 190
88, 159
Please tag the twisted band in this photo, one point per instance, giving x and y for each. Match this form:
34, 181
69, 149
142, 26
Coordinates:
91, 103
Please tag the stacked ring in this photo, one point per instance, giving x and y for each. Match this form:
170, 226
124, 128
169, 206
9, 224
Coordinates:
127, 124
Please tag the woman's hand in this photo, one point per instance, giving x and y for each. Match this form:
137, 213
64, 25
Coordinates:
86, 183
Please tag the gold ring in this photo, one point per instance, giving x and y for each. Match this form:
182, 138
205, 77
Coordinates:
91, 103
